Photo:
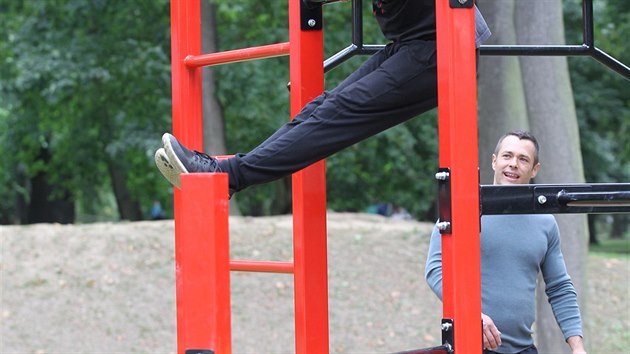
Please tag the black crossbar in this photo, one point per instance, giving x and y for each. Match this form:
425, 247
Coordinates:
595, 198
442, 349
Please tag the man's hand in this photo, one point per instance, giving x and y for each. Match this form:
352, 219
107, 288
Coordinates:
491, 334
576, 344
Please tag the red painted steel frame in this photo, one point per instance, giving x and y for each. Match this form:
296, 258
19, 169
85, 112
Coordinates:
202, 245
457, 110
309, 197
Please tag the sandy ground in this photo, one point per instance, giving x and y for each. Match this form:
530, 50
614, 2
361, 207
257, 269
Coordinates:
110, 288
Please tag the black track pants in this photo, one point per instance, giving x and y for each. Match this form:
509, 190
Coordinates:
392, 86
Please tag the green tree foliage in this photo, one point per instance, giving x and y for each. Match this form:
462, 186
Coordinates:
89, 82
85, 95
602, 99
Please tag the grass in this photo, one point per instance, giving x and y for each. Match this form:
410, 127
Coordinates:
618, 247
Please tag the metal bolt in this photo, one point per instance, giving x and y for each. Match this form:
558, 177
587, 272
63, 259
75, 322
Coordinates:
542, 199
442, 176
446, 326
443, 225
312, 23
462, 1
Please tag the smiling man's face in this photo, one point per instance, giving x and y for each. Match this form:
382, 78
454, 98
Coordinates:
514, 162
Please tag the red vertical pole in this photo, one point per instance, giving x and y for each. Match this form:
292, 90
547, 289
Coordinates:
309, 197
186, 82
457, 110
203, 265
200, 247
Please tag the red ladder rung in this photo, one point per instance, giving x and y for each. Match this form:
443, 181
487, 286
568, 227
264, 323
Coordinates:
236, 55
261, 266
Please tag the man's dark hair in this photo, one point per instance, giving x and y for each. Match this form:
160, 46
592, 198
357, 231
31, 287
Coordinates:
522, 135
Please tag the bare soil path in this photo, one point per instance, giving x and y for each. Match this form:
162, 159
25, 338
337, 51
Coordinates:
110, 288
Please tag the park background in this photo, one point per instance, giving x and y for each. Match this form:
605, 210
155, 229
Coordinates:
85, 97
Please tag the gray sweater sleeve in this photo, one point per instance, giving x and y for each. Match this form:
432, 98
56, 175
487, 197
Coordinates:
433, 268
559, 288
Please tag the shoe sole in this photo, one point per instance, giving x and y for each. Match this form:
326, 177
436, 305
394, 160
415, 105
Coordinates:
172, 157
168, 170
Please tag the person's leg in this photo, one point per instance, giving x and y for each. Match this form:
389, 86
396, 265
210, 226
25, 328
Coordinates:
174, 158
366, 68
400, 88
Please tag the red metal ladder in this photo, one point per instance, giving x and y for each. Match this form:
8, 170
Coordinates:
201, 215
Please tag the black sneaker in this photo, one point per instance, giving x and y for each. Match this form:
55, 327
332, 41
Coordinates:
183, 160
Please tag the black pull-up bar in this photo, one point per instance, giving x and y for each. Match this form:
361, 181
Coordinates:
555, 199
587, 48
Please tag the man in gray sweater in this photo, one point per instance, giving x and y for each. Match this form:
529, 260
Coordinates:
514, 248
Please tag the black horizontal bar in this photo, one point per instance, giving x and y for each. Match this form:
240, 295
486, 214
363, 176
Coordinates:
559, 50
594, 198
566, 198
443, 349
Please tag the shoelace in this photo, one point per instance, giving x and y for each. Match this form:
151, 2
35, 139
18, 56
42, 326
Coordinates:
208, 164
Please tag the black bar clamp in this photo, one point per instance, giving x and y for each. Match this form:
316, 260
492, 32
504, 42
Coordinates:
311, 16
461, 4
448, 334
443, 177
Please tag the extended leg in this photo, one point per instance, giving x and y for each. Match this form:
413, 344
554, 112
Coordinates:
401, 87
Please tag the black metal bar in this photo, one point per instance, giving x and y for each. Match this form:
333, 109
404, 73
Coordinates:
535, 50
566, 198
586, 49
588, 23
555, 199
357, 23
611, 62
442, 349
347, 53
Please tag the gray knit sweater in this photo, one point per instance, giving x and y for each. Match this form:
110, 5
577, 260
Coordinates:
514, 248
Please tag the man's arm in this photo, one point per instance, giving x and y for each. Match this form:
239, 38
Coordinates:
433, 268
561, 293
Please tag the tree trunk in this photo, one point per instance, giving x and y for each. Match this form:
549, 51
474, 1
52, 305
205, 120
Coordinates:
619, 226
128, 206
501, 97
46, 203
592, 229
213, 120
552, 117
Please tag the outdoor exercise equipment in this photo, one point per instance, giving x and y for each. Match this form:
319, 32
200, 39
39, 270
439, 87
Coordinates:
201, 206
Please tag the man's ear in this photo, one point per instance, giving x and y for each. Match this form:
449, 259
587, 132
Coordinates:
494, 162
535, 169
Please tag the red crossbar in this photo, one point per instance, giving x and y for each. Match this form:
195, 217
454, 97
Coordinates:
236, 55
261, 266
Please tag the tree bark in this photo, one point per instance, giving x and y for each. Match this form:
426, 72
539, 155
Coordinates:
128, 206
213, 119
46, 204
552, 117
501, 97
